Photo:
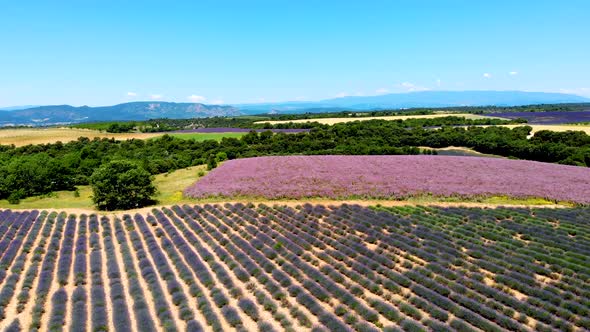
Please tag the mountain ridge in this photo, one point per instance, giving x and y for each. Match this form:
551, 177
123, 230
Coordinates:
144, 110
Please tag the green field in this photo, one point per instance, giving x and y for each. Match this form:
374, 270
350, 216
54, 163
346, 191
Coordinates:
206, 136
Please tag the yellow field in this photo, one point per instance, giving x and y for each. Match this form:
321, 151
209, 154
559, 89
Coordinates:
331, 121
536, 128
25, 136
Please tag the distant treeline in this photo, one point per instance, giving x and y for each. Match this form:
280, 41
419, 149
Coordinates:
39, 169
165, 125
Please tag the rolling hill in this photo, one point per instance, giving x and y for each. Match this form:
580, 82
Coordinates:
59, 114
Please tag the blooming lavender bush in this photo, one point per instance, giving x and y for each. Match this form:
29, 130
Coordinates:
392, 177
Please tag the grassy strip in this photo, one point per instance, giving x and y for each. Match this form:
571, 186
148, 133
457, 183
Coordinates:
170, 186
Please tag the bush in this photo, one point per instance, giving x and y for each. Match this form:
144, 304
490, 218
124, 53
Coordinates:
121, 185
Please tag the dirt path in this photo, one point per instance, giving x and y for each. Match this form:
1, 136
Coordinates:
293, 203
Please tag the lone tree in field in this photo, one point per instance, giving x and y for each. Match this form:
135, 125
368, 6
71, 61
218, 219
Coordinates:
121, 185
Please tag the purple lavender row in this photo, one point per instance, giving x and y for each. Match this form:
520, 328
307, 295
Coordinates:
211, 226
184, 273
239, 130
27, 220
81, 251
121, 319
32, 272
65, 253
392, 177
179, 298
9, 287
79, 296
8, 222
149, 274
314, 282
140, 307
482, 310
57, 318
12, 227
46, 273
195, 264
98, 309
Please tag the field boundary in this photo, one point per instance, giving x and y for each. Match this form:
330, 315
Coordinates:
292, 203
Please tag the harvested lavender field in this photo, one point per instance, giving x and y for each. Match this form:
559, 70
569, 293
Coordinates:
393, 177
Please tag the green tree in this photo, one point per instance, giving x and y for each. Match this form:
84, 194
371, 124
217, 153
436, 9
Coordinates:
211, 162
121, 185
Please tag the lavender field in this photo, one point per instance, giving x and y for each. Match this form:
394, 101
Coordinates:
547, 117
392, 177
246, 267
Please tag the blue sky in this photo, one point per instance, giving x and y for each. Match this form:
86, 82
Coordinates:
105, 52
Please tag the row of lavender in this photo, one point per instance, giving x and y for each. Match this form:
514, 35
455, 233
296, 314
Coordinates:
311, 267
295, 177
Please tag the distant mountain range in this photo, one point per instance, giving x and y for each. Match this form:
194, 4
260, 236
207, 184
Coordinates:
63, 114
421, 99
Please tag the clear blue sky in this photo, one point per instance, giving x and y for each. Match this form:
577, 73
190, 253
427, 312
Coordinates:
104, 52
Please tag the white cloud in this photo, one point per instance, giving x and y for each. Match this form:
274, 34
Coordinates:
382, 91
217, 102
156, 97
196, 99
131, 94
487, 75
512, 73
411, 87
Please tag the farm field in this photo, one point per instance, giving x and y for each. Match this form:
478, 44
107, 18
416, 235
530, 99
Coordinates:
26, 136
204, 136
394, 177
327, 268
548, 118
458, 151
331, 121
556, 127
